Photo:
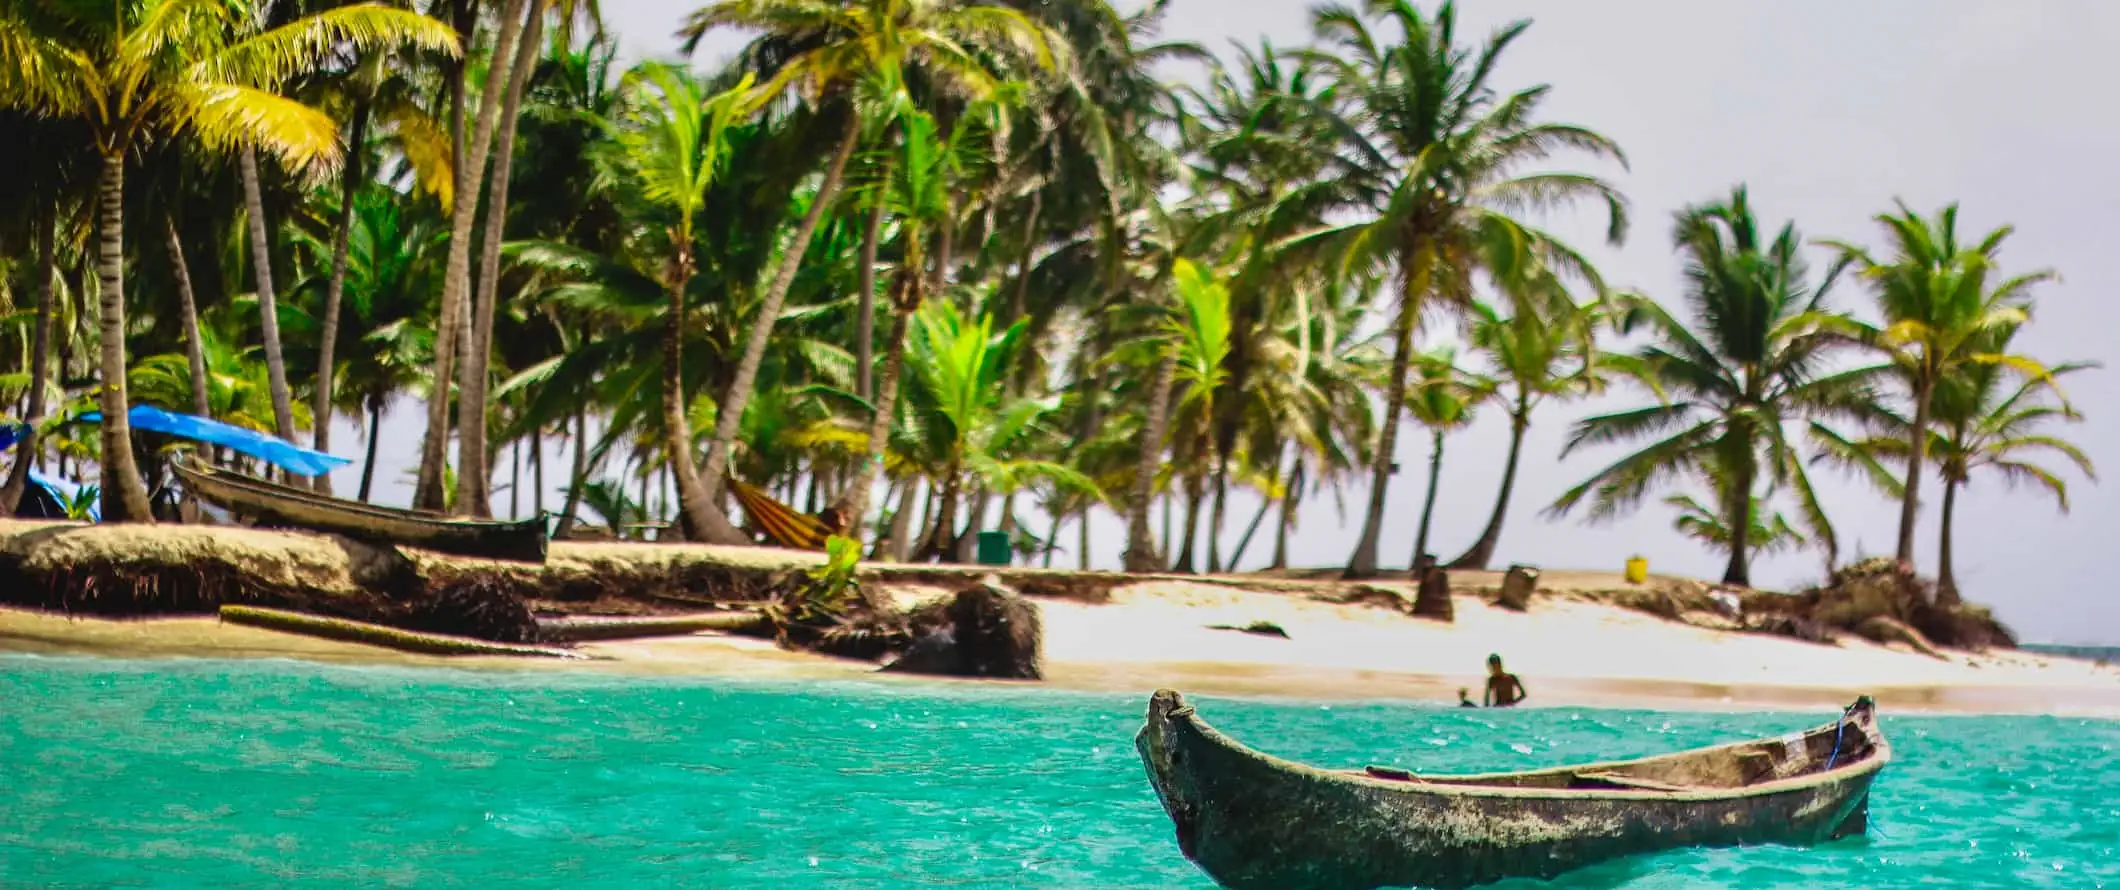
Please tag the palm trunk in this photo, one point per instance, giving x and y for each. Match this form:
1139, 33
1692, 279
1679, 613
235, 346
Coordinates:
942, 539
1739, 515
1363, 564
865, 324
1218, 514
1435, 481
729, 416
456, 282
1482, 550
1195, 495
268, 302
1052, 538
853, 503
1288, 515
335, 289
27, 450
695, 501
579, 475
375, 431
902, 520
1082, 539
515, 480
1141, 553
194, 350
1910, 504
1946, 576
1244, 543
124, 493
474, 480
537, 472
1019, 303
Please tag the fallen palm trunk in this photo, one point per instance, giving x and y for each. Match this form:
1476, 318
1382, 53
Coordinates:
379, 635
578, 629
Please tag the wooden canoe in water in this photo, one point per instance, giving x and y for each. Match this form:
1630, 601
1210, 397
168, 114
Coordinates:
1256, 822
269, 504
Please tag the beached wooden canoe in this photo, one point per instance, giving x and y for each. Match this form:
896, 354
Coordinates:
266, 503
1256, 822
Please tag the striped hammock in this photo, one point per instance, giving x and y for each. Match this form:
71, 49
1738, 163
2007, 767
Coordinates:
783, 525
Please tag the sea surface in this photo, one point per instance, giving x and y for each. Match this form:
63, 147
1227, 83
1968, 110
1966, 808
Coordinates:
199, 773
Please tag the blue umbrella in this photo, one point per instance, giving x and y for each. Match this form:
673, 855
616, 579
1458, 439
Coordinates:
270, 449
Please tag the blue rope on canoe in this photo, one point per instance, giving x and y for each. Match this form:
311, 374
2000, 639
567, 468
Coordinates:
1839, 726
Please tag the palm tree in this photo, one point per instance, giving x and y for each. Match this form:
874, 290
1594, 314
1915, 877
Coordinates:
389, 277
474, 477
1985, 417
671, 140
469, 177
1985, 429
826, 48
143, 69
380, 94
970, 430
1198, 333
1764, 534
1443, 400
1941, 301
1546, 350
917, 191
1433, 171
1731, 384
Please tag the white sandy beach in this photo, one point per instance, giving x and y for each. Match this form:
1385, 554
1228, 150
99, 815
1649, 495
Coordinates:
1568, 652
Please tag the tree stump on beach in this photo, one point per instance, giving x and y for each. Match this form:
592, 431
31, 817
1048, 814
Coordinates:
1432, 599
1517, 587
984, 631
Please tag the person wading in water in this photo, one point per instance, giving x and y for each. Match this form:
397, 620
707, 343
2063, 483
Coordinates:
1503, 688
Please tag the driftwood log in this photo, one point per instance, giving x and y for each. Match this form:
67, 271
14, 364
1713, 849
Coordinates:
378, 635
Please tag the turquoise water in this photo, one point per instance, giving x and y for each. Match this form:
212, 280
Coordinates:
276, 774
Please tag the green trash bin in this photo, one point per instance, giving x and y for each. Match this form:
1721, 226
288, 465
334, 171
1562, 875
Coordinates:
993, 548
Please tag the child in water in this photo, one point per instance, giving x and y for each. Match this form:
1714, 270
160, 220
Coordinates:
1465, 698
1503, 688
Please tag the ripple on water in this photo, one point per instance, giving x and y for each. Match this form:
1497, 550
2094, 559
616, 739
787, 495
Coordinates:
265, 774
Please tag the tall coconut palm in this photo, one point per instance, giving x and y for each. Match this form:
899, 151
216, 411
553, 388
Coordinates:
474, 477
144, 69
1434, 171
824, 49
1941, 300
380, 92
469, 176
1730, 384
1545, 351
671, 140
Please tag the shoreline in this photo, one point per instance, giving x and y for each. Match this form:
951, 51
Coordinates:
2015, 683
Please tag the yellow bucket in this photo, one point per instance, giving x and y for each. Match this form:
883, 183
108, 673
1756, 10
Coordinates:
1637, 569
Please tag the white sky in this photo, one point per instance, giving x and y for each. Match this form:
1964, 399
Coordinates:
1828, 110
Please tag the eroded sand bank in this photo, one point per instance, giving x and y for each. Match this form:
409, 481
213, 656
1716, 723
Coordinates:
1157, 633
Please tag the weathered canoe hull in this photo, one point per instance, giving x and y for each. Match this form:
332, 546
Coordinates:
267, 503
1254, 822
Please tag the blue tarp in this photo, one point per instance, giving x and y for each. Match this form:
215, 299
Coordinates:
270, 449
64, 490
